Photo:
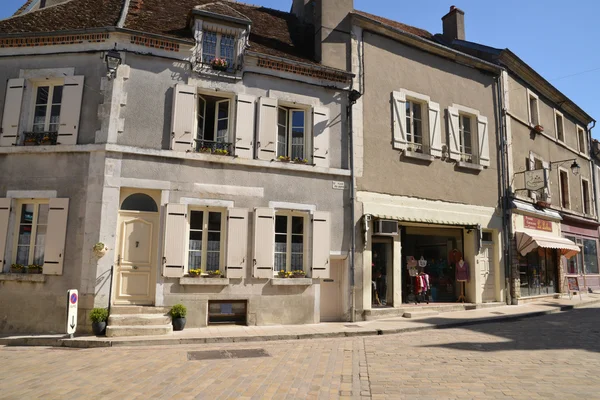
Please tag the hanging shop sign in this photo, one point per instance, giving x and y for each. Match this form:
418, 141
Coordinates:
535, 180
537, 224
572, 285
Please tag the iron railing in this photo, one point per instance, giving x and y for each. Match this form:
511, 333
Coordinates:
39, 138
212, 147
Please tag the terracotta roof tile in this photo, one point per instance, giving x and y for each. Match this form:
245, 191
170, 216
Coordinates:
75, 14
273, 32
397, 25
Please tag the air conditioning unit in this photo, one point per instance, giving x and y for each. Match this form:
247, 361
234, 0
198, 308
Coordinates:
385, 227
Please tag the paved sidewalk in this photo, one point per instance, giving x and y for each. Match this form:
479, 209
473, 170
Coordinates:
229, 334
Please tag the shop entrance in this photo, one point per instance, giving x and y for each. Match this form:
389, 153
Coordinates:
538, 272
382, 291
433, 253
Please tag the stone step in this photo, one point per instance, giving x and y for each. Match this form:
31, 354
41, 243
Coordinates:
138, 319
420, 314
119, 310
147, 330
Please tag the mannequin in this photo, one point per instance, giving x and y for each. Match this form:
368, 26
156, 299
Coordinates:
422, 285
462, 276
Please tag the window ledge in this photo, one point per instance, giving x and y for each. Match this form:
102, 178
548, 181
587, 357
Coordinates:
419, 156
202, 69
204, 281
291, 281
33, 278
468, 165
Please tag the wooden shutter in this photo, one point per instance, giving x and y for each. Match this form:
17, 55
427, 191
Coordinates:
244, 126
453, 134
55, 236
267, 128
70, 109
264, 242
547, 194
435, 130
237, 242
321, 245
534, 194
4, 215
399, 118
484, 141
183, 121
321, 137
12, 112
175, 240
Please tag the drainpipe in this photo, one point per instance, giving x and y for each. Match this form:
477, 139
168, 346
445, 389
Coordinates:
593, 159
505, 187
353, 96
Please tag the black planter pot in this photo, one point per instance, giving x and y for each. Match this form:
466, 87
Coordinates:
178, 324
99, 328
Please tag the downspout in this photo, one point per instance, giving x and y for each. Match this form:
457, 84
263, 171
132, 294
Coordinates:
506, 207
352, 204
593, 158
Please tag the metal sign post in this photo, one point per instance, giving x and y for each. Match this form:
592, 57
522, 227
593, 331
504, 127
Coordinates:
72, 301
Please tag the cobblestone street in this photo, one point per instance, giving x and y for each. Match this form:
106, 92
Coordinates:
554, 356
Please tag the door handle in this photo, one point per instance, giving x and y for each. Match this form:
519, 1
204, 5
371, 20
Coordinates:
119, 260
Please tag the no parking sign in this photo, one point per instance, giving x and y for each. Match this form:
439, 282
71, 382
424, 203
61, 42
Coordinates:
72, 301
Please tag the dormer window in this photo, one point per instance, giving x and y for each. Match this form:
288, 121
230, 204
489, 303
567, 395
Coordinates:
218, 45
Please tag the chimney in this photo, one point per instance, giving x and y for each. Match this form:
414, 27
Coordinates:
42, 3
454, 25
332, 32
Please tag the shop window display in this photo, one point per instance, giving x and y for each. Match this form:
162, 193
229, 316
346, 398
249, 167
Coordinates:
538, 272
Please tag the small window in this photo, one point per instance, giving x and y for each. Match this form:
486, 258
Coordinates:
227, 312
533, 110
487, 237
538, 164
585, 187
414, 125
291, 133
290, 240
218, 45
581, 138
205, 245
31, 233
466, 137
46, 114
214, 125
564, 188
560, 135
139, 202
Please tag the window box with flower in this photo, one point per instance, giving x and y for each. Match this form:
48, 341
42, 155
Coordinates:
17, 269
219, 64
34, 269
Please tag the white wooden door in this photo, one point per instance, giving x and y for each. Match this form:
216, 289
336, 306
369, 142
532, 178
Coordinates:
331, 294
135, 267
486, 269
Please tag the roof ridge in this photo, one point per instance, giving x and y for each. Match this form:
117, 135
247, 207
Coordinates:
418, 31
38, 10
223, 3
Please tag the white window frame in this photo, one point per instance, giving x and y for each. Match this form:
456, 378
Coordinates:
581, 131
562, 120
218, 45
223, 240
474, 137
560, 191
411, 100
531, 95
305, 238
52, 83
19, 207
225, 97
589, 199
290, 109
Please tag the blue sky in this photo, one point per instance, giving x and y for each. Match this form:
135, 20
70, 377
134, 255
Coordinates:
559, 39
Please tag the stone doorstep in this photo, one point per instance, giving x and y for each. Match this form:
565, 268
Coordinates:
381, 313
138, 319
120, 310
135, 330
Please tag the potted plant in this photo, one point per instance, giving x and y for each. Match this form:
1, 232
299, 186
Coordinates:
300, 160
538, 129
219, 64
30, 142
298, 274
283, 159
99, 316
34, 269
178, 313
222, 152
214, 274
283, 274
205, 150
195, 272
99, 249
17, 268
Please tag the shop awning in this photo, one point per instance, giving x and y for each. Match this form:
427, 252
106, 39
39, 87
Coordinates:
527, 242
423, 220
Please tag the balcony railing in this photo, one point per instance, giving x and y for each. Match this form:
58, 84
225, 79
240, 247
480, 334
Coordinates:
212, 147
40, 138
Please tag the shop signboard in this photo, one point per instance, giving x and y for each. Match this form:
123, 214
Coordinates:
535, 180
537, 224
572, 285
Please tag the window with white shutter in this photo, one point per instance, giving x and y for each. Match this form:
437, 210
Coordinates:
468, 135
206, 244
237, 242
183, 121
321, 157
435, 130
214, 125
70, 109
264, 235
12, 112
4, 216
56, 228
454, 134
484, 141
290, 241
175, 240
267, 128
321, 245
399, 120
244, 126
